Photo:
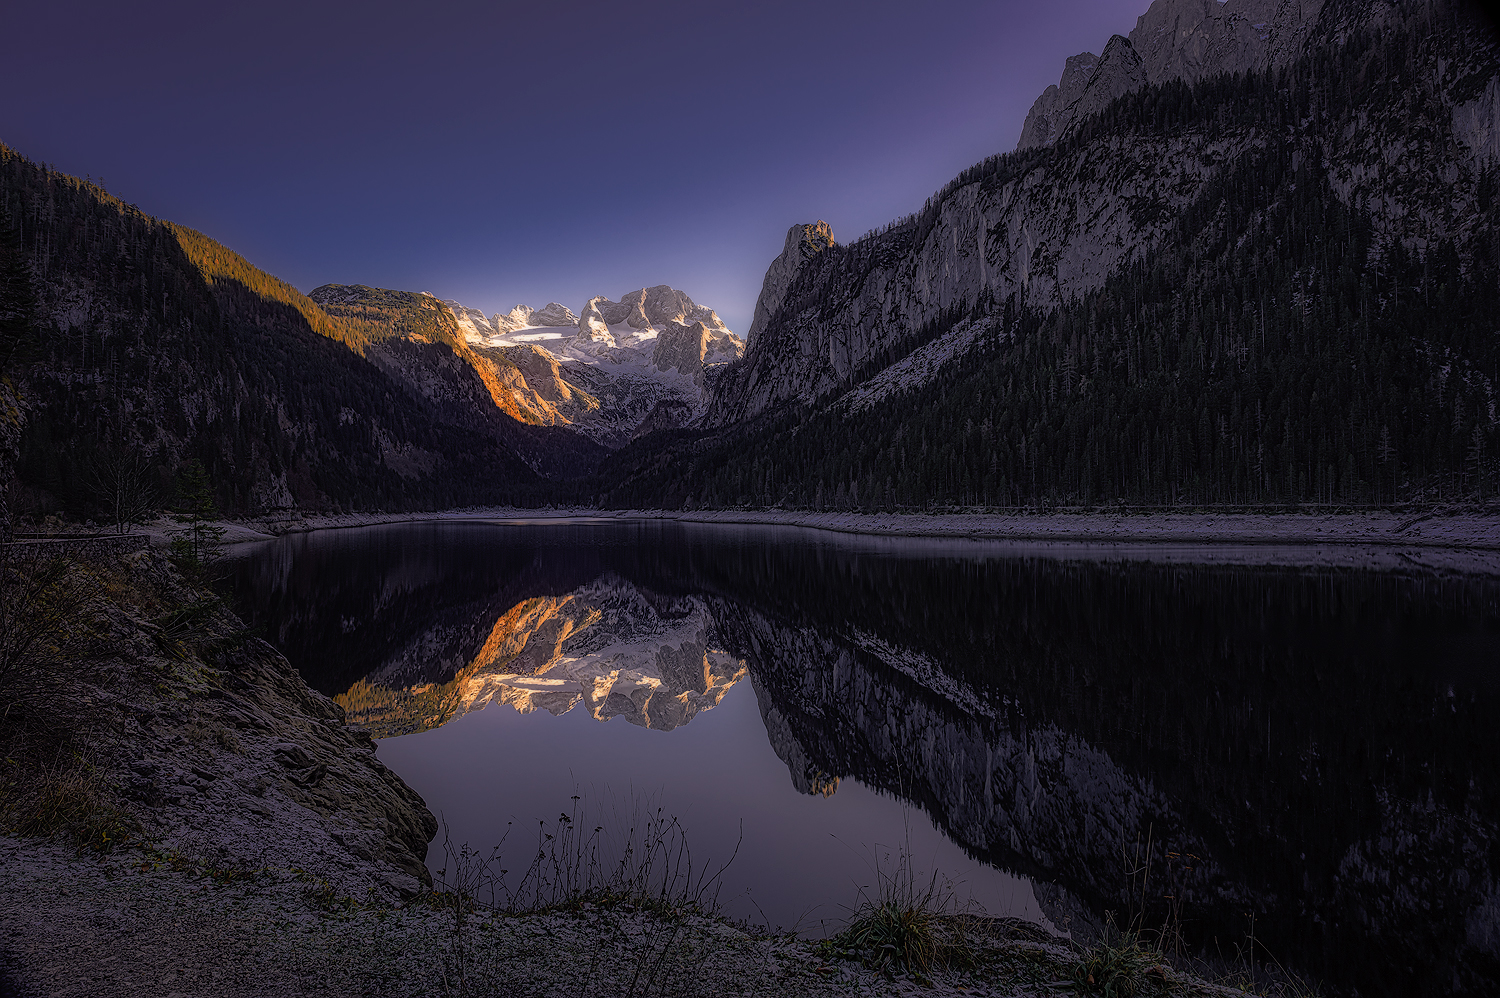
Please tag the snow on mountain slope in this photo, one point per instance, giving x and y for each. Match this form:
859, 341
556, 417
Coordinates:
920, 366
644, 360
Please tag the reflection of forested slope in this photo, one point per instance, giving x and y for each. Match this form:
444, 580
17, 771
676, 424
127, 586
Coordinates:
1316, 739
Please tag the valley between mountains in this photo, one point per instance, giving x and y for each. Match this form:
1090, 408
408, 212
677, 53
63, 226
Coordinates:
1243, 257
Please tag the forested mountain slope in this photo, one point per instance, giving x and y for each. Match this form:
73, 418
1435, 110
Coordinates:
1275, 285
151, 343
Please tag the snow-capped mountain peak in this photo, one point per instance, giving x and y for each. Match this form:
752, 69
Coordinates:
644, 359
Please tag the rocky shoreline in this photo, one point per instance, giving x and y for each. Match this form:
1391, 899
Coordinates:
126, 926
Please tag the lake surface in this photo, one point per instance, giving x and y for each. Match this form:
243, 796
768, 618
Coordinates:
1308, 756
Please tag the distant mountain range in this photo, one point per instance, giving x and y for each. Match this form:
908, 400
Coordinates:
620, 370
1247, 254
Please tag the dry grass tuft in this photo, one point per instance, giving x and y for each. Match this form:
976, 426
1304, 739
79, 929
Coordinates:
67, 799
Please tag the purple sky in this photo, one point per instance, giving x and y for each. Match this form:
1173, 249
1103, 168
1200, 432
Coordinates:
505, 152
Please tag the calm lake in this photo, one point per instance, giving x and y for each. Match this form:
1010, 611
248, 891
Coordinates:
1307, 757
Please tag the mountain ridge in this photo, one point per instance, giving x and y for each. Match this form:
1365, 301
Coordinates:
1228, 270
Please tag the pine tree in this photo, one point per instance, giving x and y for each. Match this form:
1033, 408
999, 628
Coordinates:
198, 544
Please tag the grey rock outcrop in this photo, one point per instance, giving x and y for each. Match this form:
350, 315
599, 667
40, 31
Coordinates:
1120, 71
1089, 83
594, 322
649, 308
524, 317
1476, 123
1046, 119
472, 321
690, 348
554, 315
681, 348
802, 243
1190, 39
1174, 40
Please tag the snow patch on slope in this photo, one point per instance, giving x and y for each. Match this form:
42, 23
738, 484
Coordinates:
917, 368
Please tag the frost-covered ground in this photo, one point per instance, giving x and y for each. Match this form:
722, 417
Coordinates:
1449, 540
134, 924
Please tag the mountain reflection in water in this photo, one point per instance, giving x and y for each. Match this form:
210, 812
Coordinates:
615, 649
1317, 750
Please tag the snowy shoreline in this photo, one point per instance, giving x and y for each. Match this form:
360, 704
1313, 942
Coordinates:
1460, 540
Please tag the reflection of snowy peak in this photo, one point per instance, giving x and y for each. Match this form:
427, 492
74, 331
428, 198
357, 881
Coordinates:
610, 646
644, 359
613, 648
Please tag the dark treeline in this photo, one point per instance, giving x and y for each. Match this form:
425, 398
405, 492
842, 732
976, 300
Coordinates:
1271, 350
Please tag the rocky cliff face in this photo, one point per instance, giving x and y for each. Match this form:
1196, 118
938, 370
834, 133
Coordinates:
1089, 84
1045, 231
802, 243
1044, 121
1184, 40
472, 322
1054, 220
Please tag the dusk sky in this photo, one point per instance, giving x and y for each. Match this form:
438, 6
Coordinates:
502, 153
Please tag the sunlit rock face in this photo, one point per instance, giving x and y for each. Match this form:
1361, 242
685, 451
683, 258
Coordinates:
610, 646
428, 345
636, 365
474, 323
